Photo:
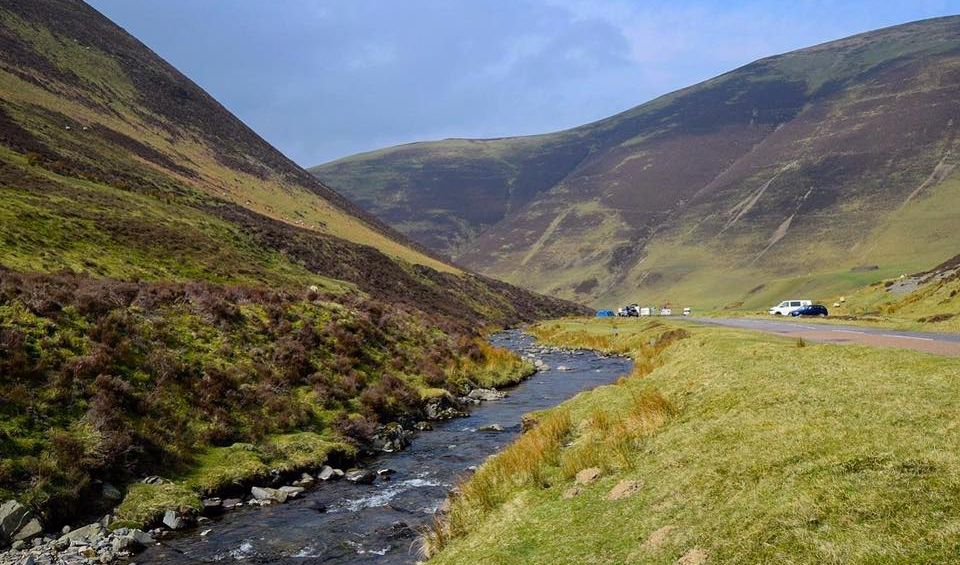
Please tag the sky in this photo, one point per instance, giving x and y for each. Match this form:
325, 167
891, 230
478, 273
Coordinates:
323, 79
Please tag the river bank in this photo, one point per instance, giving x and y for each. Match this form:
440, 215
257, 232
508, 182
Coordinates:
724, 446
378, 522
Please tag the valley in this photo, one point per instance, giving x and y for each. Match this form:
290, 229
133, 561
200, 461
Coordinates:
211, 354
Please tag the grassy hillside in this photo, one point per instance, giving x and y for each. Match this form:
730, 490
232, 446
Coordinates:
178, 298
787, 175
725, 446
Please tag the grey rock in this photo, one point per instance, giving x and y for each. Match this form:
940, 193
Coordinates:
423, 426
86, 533
230, 503
490, 428
29, 560
264, 493
212, 506
173, 520
361, 476
29, 531
486, 394
111, 493
18, 545
292, 491
13, 516
326, 473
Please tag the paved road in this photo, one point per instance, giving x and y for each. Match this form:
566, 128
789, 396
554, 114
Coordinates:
939, 343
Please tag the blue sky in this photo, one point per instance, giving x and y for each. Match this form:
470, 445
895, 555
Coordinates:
325, 79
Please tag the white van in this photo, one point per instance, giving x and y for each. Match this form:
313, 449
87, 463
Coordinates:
787, 306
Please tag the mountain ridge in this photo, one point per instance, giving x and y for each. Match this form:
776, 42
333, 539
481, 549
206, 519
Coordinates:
629, 181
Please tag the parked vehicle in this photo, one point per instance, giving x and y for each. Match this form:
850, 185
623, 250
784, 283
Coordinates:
812, 310
629, 311
666, 312
787, 306
687, 311
646, 311
605, 313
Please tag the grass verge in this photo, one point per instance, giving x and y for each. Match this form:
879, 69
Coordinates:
742, 448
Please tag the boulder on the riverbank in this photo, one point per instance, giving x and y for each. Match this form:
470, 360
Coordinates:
443, 407
486, 394
268, 494
17, 523
392, 437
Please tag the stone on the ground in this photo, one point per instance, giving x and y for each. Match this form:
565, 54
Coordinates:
173, 520
490, 428
271, 494
31, 530
361, 476
87, 533
587, 476
13, 516
423, 426
563, 368
231, 503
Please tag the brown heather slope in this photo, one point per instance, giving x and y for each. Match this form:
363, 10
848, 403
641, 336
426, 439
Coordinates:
115, 164
783, 176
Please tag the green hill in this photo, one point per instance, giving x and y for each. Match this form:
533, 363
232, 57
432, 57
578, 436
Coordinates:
789, 175
172, 286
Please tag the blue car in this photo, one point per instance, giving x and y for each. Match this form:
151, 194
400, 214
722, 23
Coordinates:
812, 310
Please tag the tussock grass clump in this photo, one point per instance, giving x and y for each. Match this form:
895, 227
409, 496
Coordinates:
609, 438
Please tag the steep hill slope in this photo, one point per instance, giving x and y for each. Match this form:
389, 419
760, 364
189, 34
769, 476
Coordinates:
115, 164
171, 285
785, 175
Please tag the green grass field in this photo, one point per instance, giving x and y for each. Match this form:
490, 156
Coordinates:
744, 448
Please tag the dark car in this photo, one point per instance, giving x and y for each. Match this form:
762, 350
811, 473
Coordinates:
812, 310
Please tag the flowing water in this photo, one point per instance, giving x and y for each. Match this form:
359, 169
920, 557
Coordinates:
377, 523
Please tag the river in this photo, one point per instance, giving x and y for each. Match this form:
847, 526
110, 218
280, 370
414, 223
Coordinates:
377, 523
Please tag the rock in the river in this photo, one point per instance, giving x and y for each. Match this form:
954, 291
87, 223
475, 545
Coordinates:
490, 428
292, 491
271, 494
392, 437
385, 473
563, 368
443, 407
317, 506
328, 473
486, 394
231, 503
304, 480
212, 506
423, 426
361, 476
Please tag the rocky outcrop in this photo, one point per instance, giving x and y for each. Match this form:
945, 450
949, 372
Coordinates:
17, 524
